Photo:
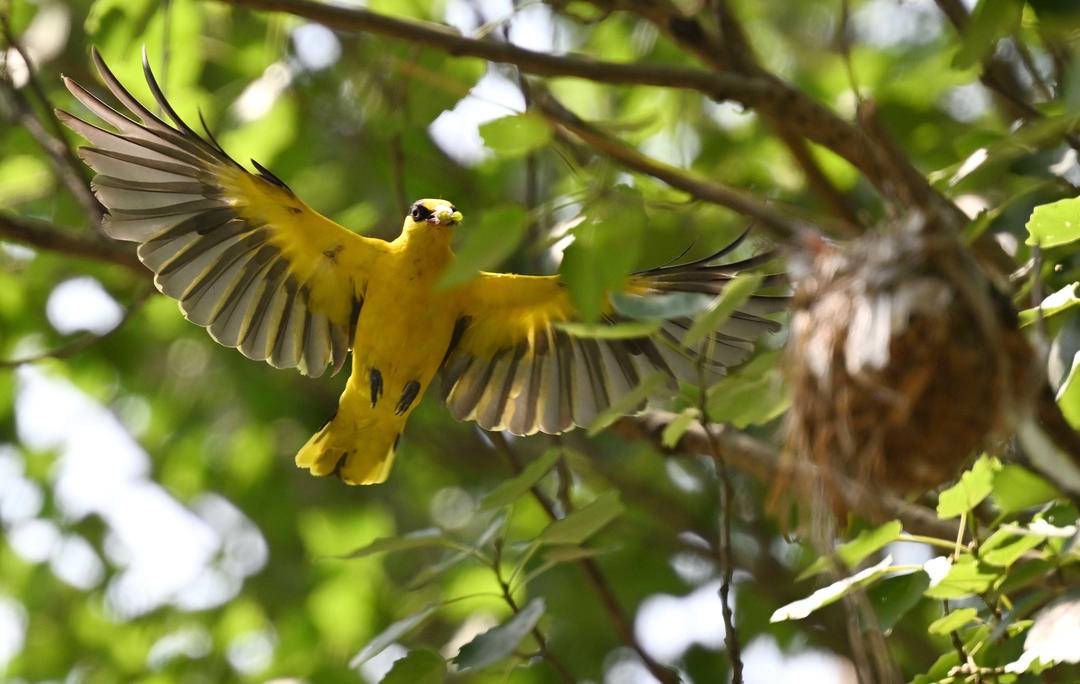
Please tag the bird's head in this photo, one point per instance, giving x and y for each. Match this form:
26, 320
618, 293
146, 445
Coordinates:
432, 213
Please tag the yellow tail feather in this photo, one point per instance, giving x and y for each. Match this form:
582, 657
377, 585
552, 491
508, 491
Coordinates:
359, 454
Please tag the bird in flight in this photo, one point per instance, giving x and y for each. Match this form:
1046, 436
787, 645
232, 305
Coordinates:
265, 273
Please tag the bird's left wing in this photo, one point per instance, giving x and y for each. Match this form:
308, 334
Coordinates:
246, 258
513, 366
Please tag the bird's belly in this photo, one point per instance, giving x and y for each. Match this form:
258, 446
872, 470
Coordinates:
401, 338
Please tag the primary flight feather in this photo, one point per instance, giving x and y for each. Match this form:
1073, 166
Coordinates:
264, 273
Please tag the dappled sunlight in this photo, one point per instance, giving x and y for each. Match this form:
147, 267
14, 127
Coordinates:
720, 359
165, 552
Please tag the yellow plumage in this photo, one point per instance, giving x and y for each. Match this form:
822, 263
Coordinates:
266, 274
402, 334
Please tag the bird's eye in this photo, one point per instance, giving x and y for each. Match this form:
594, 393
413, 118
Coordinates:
420, 213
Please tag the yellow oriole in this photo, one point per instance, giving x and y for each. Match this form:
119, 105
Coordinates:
263, 272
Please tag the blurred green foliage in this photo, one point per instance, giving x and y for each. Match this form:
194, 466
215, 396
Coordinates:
452, 546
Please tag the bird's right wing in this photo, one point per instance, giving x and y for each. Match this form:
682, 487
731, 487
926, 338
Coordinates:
246, 258
515, 365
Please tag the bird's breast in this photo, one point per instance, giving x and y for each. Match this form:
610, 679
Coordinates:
404, 328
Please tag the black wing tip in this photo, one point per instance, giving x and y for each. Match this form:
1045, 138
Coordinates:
269, 175
209, 135
674, 265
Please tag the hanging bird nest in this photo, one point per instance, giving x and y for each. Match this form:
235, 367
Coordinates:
903, 359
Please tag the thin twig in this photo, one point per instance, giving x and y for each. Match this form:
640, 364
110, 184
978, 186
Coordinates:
398, 95
776, 98
538, 635
730, 51
997, 74
592, 573
45, 235
67, 167
958, 645
727, 563
85, 341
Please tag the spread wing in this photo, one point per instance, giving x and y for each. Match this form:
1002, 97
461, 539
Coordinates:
244, 256
514, 368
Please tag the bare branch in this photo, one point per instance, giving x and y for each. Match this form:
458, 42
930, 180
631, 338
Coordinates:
592, 573
69, 170
724, 547
45, 235
729, 51
997, 74
769, 96
541, 641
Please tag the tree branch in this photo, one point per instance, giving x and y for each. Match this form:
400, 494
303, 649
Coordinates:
69, 170
770, 96
592, 573
997, 74
45, 235
780, 223
729, 51
763, 461
541, 641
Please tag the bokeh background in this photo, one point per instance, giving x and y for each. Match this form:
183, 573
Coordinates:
154, 527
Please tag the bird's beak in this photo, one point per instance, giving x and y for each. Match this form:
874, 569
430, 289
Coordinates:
445, 214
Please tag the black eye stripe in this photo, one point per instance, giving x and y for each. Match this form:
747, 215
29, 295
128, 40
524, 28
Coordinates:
420, 213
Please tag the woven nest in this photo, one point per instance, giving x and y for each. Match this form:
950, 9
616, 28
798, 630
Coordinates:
903, 361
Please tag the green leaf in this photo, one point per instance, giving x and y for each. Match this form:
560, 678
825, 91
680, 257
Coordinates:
967, 576
974, 486
1054, 224
486, 244
418, 667
752, 395
615, 331
1068, 396
558, 555
893, 597
797, 610
628, 403
1016, 488
1008, 553
516, 135
939, 670
678, 426
392, 634
605, 249
413, 540
513, 489
1024, 574
584, 522
432, 571
855, 551
991, 20
953, 621
501, 641
734, 295
1062, 300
